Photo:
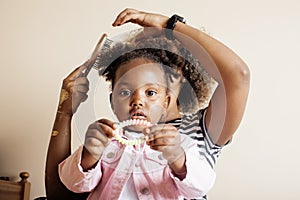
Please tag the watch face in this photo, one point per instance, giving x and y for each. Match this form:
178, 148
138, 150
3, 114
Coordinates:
179, 18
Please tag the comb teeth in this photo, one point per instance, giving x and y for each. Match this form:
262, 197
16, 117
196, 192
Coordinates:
104, 43
130, 122
107, 43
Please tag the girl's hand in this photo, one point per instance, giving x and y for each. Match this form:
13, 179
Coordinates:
166, 139
97, 137
141, 18
74, 91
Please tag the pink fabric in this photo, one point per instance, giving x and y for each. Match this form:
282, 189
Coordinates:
151, 174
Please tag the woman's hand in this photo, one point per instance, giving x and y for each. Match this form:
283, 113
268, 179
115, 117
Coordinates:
97, 137
141, 18
74, 91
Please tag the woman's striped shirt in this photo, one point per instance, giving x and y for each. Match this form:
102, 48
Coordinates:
194, 126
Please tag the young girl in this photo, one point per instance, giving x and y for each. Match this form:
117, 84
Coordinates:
167, 166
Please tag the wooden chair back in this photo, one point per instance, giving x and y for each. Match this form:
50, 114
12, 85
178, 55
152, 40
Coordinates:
10, 190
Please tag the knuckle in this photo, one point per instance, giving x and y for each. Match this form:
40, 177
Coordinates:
65, 82
89, 141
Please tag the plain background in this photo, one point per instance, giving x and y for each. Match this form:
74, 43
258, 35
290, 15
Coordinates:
42, 41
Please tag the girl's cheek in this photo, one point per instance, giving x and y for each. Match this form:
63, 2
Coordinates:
156, 113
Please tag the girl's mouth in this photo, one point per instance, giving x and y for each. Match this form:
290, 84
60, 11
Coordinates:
137, 114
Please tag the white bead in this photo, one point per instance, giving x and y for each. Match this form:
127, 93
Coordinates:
122, 124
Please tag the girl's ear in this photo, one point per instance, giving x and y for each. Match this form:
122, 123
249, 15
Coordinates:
110, 100
165, 105
167, 101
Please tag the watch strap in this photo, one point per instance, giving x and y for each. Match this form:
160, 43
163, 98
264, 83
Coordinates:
171, 23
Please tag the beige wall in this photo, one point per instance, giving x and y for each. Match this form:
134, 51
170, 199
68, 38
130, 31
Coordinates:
41, 41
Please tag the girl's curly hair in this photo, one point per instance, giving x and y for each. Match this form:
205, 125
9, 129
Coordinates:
195, 92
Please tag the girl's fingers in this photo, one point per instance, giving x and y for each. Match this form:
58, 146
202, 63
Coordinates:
162, 136
95, 138
163, 141
160, 131
97, 135
104, 126
109, 123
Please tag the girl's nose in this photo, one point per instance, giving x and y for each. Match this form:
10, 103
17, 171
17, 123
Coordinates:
136, 99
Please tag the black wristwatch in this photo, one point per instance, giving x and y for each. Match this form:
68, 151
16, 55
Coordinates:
171, 25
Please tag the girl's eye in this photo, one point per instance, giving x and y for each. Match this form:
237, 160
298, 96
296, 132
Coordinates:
151, 93
125, 93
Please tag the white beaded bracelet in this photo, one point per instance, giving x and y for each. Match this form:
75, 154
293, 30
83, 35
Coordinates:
130, 122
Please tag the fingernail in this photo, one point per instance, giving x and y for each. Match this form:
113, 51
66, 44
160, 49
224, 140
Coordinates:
147, 130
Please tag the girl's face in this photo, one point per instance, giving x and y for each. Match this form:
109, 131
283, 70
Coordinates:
140, 91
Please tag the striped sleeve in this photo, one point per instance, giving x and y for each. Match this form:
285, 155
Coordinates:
194, 126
